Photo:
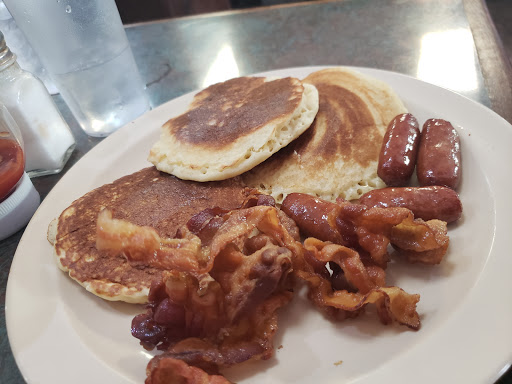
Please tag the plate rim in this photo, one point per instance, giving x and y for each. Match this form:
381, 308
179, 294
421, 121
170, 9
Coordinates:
9, 315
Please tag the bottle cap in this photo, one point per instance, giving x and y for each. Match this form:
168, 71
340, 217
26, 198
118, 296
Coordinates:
17, 210
6, 56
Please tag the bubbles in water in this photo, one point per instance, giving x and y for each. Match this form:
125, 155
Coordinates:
68, 9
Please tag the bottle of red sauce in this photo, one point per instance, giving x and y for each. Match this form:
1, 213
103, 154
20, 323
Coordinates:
18, 197
12, 164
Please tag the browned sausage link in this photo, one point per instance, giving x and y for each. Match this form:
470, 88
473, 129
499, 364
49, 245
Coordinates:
439, 160
312, 216
399, 150
434, 202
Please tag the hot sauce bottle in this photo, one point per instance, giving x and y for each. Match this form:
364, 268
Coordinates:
12, 163
18, 197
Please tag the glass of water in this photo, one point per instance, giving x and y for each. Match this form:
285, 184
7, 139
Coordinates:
84, 48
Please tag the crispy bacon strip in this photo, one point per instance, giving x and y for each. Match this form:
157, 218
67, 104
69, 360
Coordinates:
168, 370
140, 243
421, 241
393, 304
347, 259
373, 227
192, 253
369, 231
249, 339
228, 273
218, 307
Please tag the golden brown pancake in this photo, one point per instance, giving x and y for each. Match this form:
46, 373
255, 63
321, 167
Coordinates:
338, 155
232, 126
147, 198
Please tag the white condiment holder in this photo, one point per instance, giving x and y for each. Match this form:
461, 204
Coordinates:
18, 208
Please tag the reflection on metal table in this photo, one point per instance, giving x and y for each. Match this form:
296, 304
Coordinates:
450, 43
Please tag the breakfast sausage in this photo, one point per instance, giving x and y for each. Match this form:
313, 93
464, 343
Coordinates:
439, 161
313, 216
399, 150
433, 202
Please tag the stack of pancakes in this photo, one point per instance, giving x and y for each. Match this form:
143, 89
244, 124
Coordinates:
338, 155
321, 136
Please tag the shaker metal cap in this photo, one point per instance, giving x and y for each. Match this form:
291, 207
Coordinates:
6, 56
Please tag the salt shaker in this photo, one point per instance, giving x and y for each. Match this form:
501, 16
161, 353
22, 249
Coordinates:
25, 55
18, 197
47, 138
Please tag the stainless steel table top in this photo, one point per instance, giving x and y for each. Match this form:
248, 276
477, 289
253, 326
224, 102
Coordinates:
451, 43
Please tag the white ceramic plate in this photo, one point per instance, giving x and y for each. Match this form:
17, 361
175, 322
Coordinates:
60, 333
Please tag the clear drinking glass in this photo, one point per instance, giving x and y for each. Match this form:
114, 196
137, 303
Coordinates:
84, 47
